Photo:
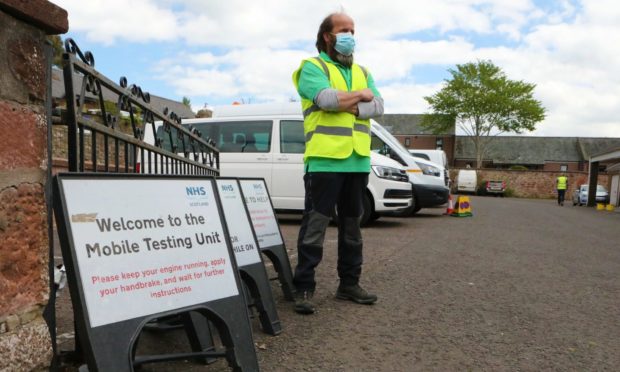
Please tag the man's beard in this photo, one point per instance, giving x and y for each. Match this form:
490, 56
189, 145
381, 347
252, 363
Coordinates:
346, 61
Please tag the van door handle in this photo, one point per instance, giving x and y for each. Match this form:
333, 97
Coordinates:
262, 158
283, 158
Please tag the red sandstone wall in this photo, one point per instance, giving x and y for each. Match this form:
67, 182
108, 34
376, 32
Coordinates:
535, 184
24, 278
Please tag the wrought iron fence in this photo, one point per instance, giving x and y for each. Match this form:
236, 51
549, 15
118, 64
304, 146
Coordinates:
95, 108
95, 142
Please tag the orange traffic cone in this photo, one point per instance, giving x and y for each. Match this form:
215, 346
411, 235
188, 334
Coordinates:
450, 208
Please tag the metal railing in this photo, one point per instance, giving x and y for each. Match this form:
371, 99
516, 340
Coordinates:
96, 142
112, 150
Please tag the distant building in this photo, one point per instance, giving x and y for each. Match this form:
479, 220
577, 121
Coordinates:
502, 152
534, 153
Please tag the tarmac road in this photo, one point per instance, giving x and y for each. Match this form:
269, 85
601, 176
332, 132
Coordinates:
521, 285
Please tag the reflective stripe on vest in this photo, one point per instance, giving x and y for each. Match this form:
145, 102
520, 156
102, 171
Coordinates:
332, 134
337, 131
311, 109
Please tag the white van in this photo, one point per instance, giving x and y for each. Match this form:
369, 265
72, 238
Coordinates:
430, 180
466, 181
436, 156
267, 141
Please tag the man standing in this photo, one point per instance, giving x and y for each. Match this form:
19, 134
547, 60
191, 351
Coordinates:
561, 185
338, 98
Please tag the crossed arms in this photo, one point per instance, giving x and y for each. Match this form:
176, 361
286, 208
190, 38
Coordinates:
361, 103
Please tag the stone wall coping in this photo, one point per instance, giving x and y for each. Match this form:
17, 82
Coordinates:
41, 13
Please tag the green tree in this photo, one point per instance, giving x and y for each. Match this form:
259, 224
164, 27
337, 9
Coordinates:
483, 103
187, 102
56, 42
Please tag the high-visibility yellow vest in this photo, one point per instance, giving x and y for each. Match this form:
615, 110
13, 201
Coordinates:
562, 182
331, 134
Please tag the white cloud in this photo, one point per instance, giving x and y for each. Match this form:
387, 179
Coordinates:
276, 23
394, 59
107, 21
407, 98
267, 77
249, 49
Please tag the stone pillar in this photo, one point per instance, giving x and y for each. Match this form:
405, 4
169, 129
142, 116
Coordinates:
25, 342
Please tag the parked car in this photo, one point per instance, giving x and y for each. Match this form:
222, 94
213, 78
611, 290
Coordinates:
496, 188
580, 196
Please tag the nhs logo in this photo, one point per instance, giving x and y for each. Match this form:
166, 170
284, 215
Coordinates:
195, 191
227, 188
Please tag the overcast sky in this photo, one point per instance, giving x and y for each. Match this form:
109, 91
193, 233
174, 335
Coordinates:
216, 52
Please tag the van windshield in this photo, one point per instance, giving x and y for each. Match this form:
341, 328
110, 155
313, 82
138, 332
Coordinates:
389, 138
229, 136
420, 155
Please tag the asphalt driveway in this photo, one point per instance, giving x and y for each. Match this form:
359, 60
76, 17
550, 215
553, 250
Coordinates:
521, 285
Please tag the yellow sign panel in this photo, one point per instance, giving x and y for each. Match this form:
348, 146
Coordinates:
463, 207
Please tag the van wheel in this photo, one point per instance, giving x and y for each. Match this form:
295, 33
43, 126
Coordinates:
368, 213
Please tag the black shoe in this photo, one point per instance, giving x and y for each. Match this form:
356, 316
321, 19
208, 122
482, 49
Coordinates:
355, 293
303, 302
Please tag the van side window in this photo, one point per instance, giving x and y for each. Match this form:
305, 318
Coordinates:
292, 139
170, 139
237, 136
229, 136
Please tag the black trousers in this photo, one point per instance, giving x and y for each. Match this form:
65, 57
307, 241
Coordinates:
561, 194
324, 191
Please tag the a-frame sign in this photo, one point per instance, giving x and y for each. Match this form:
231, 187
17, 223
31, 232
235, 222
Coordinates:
245, 247
140, 247
268, 231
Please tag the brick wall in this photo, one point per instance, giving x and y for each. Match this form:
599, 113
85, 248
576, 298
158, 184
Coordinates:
429, 142
556, 166
24, 277
535, 184
60, 151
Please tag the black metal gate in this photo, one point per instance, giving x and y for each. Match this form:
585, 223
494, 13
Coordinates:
188, 153
96, 142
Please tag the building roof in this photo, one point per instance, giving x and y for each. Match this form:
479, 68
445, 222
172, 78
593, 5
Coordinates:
535, 150
595, 146
159, 103
177, 107
407, 124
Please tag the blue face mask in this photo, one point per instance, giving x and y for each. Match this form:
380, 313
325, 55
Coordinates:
345, 43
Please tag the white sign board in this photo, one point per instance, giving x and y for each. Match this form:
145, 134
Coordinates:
147, 246
239, 228
261, 213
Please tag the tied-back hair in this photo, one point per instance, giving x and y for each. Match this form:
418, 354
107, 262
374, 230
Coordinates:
326, 26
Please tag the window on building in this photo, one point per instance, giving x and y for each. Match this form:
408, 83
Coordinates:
563, 168
407, 141
439, 143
